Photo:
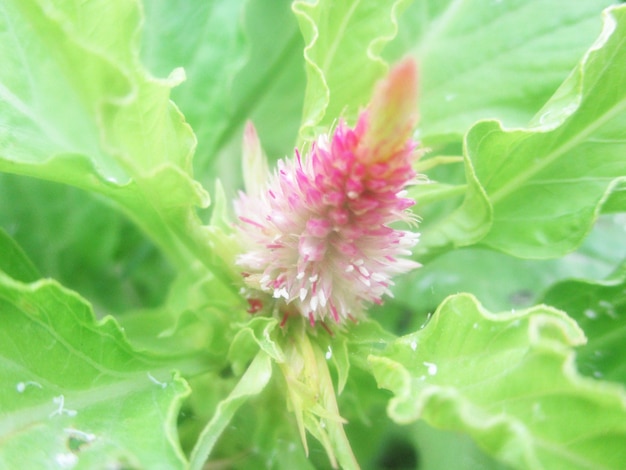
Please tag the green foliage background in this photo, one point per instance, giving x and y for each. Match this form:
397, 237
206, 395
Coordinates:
123, 340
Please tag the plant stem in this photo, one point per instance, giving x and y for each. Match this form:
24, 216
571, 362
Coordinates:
425, 165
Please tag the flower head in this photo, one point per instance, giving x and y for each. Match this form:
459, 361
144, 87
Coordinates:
318, 236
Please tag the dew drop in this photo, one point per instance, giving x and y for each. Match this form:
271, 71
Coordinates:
432, 368
112, 179
67, 460
591, 314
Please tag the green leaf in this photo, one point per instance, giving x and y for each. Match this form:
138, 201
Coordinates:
465, 225
14, 261
252, 383
259, 333
79, 109
68, 382
509, 381
548, 183
491, 59
341, 38
599, 307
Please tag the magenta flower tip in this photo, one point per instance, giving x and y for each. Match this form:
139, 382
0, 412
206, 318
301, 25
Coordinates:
317, 238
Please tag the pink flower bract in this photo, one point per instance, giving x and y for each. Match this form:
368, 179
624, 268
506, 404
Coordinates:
318, 238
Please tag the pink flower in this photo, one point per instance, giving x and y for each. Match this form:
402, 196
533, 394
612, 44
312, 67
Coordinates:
317, 237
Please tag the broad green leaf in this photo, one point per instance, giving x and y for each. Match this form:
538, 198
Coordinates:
509, 381
599, 307
342, 54
14, 261
68, 383
490, 58
78, 108
251, 383
381, 443
547, 183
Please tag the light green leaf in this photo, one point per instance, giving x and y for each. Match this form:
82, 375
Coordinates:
252, 383
259, 333
79, 109
341, 38
68, 382
491, 59
509, 381
599, 307
547, 183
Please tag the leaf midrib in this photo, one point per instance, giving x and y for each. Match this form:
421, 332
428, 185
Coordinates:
14, 422
520, 179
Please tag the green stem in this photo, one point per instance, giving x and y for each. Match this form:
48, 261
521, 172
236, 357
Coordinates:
428, 194
427, 164
336, 432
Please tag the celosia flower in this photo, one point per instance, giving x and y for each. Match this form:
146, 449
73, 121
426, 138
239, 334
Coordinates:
317, 237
